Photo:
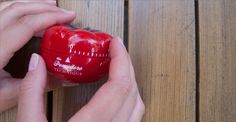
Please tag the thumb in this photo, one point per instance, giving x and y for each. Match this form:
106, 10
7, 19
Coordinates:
31, 106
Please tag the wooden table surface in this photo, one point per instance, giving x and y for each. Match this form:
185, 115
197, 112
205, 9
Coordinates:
183, 53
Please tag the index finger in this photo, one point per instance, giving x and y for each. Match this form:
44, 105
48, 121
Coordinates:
114, 92
5, 4
13, 12
15, 36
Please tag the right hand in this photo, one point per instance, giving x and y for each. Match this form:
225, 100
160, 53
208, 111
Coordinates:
118, 100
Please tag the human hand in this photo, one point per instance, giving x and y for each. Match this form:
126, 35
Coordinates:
19, 22
118, 100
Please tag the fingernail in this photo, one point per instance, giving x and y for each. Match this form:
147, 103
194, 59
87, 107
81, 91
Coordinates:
67, 11
52, 2
33, 62
120, 40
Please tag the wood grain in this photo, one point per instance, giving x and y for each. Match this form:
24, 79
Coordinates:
106, 15
162, 47
217, 60
8, 116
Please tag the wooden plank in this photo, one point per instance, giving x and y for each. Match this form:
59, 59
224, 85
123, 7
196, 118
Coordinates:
217, 60
106, 15
8, 116
162, 47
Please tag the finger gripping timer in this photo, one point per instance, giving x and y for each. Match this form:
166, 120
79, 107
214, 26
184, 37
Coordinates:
76, 55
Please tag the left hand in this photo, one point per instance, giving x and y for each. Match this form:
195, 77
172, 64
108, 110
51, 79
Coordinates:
19, 22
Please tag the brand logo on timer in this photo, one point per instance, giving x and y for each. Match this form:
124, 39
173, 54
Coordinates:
58, 63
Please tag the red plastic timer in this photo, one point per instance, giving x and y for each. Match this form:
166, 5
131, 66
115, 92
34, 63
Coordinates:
76, 55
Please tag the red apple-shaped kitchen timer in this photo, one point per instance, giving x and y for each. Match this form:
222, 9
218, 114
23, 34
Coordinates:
76, 55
